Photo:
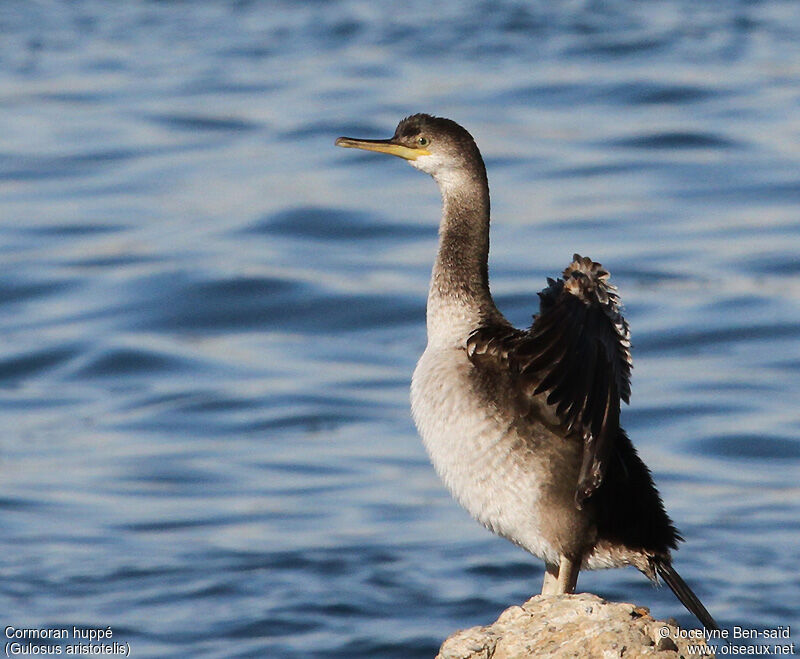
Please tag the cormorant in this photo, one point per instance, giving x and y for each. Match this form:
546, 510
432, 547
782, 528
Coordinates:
523, 425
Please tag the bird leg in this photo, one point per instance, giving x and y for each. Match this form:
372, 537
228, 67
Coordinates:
568, 575
550, 585
562, 578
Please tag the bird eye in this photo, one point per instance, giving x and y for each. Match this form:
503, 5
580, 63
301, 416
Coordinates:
423, 141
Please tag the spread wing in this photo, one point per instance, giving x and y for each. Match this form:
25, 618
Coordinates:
576, 355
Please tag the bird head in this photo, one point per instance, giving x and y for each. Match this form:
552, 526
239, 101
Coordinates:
434, 145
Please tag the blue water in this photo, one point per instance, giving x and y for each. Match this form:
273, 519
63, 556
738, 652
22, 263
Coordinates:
210, 315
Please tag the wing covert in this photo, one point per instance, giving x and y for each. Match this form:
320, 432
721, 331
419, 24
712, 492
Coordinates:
577, 355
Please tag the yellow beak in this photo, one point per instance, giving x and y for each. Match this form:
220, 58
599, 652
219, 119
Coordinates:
383, 146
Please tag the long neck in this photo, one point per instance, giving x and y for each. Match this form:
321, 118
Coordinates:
459, 298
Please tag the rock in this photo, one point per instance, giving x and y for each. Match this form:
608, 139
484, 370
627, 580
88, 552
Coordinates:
581, 625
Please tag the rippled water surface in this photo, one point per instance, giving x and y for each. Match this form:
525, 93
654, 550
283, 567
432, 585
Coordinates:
210, 315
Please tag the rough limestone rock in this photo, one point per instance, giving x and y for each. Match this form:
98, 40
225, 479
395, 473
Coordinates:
570, 626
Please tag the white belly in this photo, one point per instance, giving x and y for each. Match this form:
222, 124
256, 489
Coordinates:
477, 452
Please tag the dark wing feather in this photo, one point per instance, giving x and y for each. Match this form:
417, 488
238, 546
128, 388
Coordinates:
577, 354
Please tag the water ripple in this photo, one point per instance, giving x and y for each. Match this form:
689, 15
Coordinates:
675, 140
335, 224
750, 447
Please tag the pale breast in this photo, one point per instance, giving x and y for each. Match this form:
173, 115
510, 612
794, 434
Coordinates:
476, 447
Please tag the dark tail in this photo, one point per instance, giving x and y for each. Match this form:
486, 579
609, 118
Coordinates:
684, 593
